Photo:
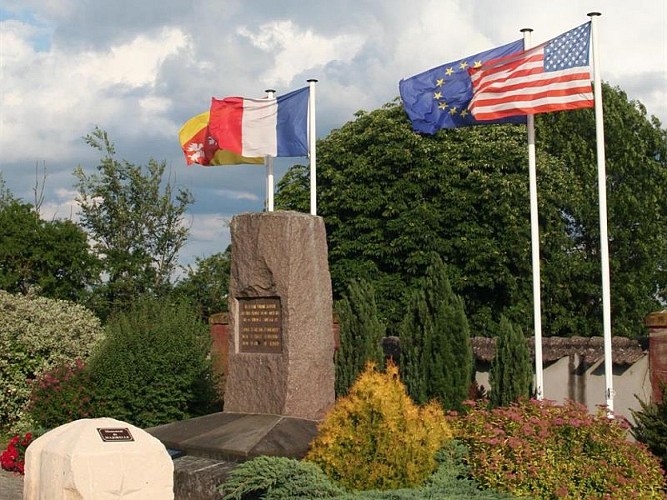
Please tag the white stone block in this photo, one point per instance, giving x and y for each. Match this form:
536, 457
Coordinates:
94, 459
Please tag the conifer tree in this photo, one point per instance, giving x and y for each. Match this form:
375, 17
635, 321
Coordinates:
436, 352
415, 336
511, 371
361, 333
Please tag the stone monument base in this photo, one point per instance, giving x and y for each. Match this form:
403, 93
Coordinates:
238, 436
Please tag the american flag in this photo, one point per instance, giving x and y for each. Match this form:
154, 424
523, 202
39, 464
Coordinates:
554, 76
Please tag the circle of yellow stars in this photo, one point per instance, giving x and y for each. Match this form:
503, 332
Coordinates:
437, 94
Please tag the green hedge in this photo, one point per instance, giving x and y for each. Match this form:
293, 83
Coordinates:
154, 366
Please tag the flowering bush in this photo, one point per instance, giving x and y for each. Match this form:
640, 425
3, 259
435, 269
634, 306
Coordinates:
13, 458
37, 334
540, 449
61, 395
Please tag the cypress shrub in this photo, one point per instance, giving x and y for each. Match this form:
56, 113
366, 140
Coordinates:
511, 372
436, 352
361, 333
415, 333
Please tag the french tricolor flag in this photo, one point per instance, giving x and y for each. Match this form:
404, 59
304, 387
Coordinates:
262, 127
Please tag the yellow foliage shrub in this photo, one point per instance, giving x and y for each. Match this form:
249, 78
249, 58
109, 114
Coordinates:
377, 438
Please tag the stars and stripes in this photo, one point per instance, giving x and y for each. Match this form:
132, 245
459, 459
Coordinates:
554, 76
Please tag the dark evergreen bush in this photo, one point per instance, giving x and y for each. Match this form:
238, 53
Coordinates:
436, 352
511, 371
154, 366
361, 332
278, 478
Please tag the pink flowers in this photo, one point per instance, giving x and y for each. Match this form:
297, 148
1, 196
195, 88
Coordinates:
13, 458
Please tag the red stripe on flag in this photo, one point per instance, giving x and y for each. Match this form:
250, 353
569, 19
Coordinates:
225, 123
580, 79
503, 65
525, 96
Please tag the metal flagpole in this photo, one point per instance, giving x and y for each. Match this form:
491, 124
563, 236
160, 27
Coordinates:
604, 239
268, 161
311, 147
535, 242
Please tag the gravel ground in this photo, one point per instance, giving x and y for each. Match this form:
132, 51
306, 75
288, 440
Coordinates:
11, 486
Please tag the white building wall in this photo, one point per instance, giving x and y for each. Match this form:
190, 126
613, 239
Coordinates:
569, 379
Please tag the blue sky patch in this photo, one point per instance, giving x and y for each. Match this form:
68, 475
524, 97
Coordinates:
41, 40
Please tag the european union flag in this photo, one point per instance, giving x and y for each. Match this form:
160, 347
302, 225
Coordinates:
439, 98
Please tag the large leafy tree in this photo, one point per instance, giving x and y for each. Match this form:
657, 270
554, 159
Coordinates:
135, 218
390, 197
636, 165
50, 258
206, 283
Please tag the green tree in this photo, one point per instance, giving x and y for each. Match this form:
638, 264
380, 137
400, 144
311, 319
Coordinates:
636, 165
436, 352
135, 219
5, 194
207, 283
415, 336
361, 333
51, 258
511, 371
390, 197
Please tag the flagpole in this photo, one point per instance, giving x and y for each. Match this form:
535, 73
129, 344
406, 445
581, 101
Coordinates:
604, 239
268, 161
535, 241
311, 147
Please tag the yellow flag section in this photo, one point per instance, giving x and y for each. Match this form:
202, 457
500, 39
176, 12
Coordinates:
202, 149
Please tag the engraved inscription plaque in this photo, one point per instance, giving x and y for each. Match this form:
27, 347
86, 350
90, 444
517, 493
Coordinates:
260, 325
116, 434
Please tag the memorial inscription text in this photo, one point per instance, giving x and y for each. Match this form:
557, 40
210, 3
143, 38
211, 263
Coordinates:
260, 325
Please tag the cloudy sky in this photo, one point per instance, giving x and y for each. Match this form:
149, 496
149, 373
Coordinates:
140, 69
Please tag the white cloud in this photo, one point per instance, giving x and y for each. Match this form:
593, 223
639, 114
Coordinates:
237, 195
66, 66
296, 51
209, 227
52, 97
